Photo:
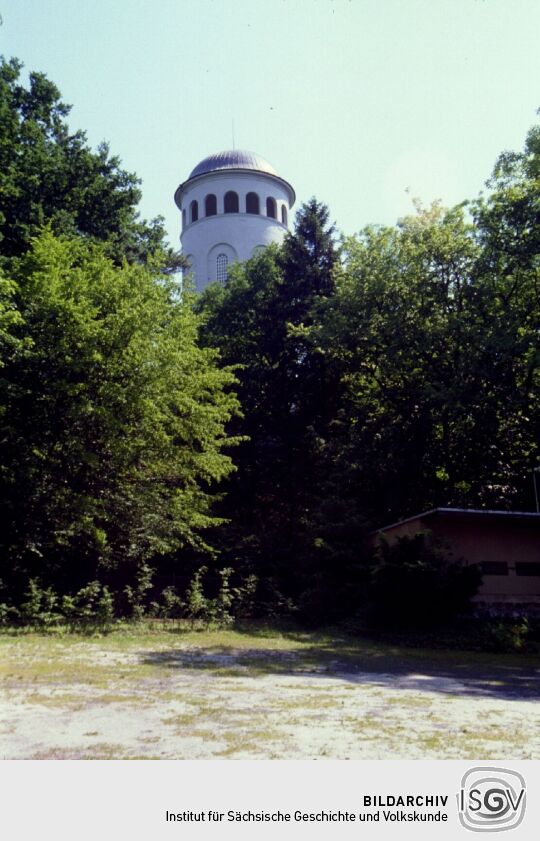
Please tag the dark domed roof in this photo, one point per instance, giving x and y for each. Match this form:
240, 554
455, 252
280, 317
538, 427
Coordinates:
228, 161
233, 159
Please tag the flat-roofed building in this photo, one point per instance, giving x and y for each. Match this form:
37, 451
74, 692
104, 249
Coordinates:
505, 544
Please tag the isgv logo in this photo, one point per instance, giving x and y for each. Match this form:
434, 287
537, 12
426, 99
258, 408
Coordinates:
491, 799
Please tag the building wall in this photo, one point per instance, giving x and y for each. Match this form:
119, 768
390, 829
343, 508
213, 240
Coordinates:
486, 540
240, 234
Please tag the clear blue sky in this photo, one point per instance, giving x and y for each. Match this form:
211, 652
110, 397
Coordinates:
362, 103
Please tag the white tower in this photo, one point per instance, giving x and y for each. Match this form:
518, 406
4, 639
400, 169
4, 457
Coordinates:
232, 204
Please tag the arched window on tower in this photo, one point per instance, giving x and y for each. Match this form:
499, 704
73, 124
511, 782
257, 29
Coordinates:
183, 219
252, 203
210, 205
194, 211
283, 214
271, 208
222, 263
231, 204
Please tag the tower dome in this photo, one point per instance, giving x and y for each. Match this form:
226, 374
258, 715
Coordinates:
233, 203
235, 159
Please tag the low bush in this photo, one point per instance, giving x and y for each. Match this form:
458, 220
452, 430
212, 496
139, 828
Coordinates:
91, 607
414, 584
95, 607
508, 635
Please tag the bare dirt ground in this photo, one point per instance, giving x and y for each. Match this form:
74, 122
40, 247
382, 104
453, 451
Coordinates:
210, 695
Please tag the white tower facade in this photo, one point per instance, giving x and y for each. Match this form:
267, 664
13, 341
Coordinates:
232, 204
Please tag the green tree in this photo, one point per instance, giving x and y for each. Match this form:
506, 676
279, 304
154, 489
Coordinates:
113, 418
49, 174
400, 332
308, 261
260, 321
508, 225
435, 329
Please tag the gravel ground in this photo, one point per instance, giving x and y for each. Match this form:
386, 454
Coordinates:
226, 696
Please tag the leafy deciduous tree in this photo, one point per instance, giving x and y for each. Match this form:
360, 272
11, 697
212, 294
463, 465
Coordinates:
113, 418
49, 174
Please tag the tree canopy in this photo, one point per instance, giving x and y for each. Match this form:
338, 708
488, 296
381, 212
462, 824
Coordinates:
394, 375
332, 385
113, 418
49, 174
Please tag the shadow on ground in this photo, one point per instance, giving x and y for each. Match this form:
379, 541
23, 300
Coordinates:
446, 672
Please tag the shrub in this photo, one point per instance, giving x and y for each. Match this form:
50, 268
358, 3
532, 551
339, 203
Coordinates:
136, 596
228, 604
91, 607
196, 602
217, 611
9, 615
95, 607
171, 606
105, 609
221, 608
414, 584
39, 608
508, 636
245, 598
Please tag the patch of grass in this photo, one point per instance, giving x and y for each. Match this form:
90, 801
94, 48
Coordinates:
316, 648
208, 685
409, 702
123, 698
320, 700
249, 741
104, 750
181, 720
59, 699
432, 744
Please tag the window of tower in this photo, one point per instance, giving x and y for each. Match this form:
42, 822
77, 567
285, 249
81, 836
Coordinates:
183, 219
252, 203
222, 263
283, 214
210, 205
231, 204
271, 208
194, 211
